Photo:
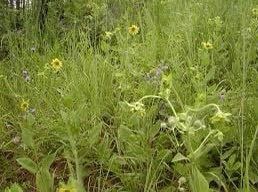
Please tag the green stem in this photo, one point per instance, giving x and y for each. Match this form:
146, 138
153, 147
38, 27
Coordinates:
205, 107
248, 159
159, 97
203, 143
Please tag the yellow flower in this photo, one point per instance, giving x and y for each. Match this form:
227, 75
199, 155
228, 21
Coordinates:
66, 189
56, 64
133, 30
207, 45
24, 105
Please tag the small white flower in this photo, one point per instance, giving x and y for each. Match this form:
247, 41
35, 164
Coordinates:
16, 139
181, 180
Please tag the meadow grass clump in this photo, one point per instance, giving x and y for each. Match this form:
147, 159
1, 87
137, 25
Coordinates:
113, 95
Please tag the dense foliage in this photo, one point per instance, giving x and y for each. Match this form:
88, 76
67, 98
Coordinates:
128, 95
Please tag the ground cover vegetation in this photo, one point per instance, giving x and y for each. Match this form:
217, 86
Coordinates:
128, 95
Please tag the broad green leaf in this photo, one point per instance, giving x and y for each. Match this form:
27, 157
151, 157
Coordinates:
182, 168
44, 181
179, 157
28, 164
27, 137
124, 133
47, 161
198, 181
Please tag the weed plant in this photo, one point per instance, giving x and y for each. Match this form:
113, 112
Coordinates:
130, 96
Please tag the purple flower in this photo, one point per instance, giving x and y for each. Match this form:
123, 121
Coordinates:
156, 73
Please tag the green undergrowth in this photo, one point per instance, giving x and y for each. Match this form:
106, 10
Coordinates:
136, 96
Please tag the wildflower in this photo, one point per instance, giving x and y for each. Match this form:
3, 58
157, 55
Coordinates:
26, 75
69, 187
108, 35
133, 30
24, 105
216, 22
137, 107
207, 45
220, 117
181, 181
172, 120
199, 124
181, 189
255, 11
155, 74
163, 125
16, 139
66, 189
56, 64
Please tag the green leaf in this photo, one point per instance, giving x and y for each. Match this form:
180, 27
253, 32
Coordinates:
124, 133
27, 137
179, 157
14, 188
30, 120
228, 153
28, 164
230, 163
182, 168
47, 161
198, 181
44, 181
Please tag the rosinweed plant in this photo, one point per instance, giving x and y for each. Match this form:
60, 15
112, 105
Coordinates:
186, 129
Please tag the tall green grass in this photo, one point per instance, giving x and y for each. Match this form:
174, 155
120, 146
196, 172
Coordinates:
145, 112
